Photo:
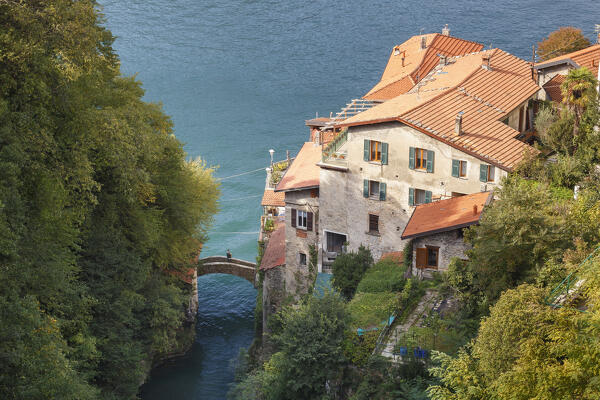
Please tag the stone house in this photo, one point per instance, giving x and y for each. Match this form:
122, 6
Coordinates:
272, 267
300, 184
551, 73
436, 230
454, 133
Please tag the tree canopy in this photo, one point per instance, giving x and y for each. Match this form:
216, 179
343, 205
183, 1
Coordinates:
98, 209
562, 41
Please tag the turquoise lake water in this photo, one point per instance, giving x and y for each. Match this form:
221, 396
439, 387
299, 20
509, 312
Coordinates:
240, 77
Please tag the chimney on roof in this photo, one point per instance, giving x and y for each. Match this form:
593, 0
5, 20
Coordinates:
485, 58
396, 50
458, 124
423, 42
443, 59
446, 31
474, 209
403, 57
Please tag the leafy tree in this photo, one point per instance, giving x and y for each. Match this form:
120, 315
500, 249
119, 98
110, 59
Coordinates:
526, 349
98, 210
579, 92
517, 233
310, 354
348, 270
562, 41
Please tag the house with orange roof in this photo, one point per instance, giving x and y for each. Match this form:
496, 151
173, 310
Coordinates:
300, 185
272, 266
411, 61
551, 73
458, 131
436, 230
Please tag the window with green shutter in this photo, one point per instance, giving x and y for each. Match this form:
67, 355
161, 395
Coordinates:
455, 168
427, 196
367, 150
365, 188
384, 153
430, 157
411, 157
382, 189
411, 196
483, 172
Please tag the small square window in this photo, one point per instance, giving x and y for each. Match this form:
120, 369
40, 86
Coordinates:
302, 258
462, 171
374, 189
373, 223
432, 257
301, 219
420, 196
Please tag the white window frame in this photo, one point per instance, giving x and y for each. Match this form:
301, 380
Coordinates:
301, 219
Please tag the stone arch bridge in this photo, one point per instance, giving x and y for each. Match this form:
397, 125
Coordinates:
231, 266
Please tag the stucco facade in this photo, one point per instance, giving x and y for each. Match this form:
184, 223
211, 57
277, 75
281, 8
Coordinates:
345, 210
298, 238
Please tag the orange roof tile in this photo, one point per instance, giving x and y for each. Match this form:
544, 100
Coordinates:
395, 256
588, 57
484, 96
272, 198
304, 172
398, 78
553, 88
275, 253
446, 215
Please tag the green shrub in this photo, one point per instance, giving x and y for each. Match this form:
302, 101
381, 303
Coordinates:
370, 309
348, 270
385, 276
358, 349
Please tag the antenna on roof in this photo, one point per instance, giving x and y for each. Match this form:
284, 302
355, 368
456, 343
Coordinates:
490, 46
597, 30
446, 30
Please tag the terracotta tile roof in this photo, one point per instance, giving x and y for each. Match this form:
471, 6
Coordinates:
446, 215
552, 87
588, 57
395, 256
398, 79
484, 96
272, 198
304, 172
275, 253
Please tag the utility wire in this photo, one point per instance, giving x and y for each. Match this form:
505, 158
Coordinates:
236, 233
243, 198
243, 173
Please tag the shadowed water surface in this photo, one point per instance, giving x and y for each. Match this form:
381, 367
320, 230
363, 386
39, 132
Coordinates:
240, 77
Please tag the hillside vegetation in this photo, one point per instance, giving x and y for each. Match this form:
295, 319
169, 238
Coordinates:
99, 211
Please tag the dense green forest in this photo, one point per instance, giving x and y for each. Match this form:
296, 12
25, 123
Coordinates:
99, 211
527, 320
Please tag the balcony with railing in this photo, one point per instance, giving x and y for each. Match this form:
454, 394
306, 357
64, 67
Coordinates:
332, 156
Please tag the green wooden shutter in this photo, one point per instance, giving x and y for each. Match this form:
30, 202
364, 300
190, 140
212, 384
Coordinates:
367, 149
382, 187
483, 173
411, 196
455, 168
384, 153
427, 196
365, 188
430, 157
411, 158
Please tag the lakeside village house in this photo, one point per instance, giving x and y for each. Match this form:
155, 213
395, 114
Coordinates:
416, 158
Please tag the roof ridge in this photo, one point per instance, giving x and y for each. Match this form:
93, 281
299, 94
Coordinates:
568, 56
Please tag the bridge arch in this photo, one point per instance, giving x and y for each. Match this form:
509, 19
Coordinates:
231, 266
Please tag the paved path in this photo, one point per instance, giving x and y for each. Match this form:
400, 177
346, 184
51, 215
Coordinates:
425, 304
